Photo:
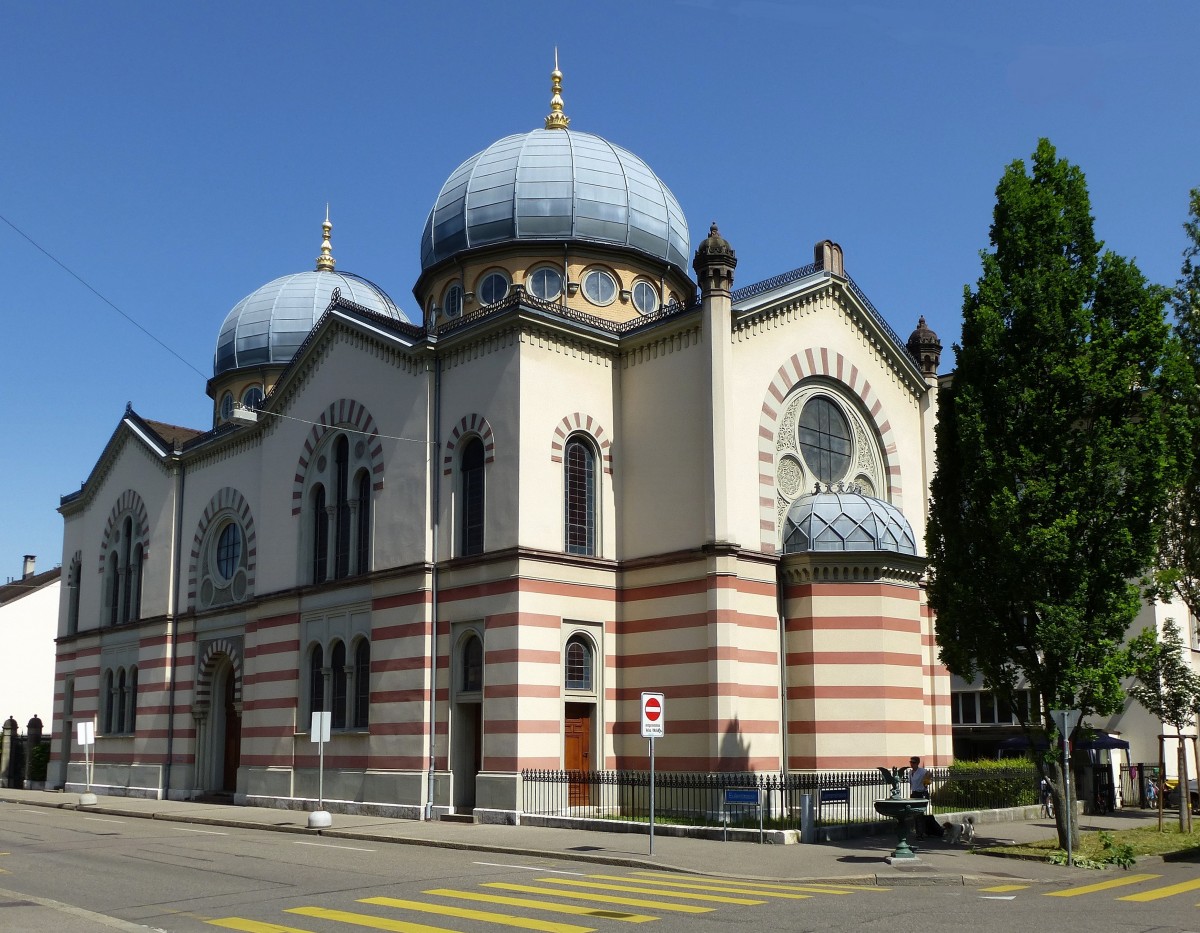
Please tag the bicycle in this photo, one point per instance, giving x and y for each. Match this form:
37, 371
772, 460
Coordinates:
1101, 804
1047, 804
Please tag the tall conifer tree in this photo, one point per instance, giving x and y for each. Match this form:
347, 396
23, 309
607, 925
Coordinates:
1055, 451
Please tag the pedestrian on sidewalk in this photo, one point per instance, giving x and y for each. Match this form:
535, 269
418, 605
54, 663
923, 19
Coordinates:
919, 780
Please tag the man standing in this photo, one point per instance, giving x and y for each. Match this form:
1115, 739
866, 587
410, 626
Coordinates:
918, 779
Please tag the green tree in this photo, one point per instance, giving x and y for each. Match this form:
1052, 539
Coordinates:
1055, 450
1168, 689
1178, 570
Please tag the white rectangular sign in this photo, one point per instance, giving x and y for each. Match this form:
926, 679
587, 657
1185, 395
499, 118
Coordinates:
654, 715
85, 732
319, 732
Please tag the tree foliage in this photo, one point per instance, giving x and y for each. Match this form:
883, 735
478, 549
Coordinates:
1178, 573
1055, 449
1166, 686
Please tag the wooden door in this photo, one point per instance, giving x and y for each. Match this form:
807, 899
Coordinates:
577, 737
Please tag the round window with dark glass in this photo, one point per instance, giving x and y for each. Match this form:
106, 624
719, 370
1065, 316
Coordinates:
229, 551
493, 288
825, 439
545, 283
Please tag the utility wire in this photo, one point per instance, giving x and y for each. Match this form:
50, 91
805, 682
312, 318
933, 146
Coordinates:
82, 281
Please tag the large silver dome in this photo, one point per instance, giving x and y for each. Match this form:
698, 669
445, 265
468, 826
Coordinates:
269, 324
846, 521
555, 184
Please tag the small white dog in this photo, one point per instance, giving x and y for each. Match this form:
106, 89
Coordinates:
964, 832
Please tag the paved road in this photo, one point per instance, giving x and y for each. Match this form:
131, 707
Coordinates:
73, 871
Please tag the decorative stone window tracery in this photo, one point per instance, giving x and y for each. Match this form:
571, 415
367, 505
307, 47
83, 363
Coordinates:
823, 436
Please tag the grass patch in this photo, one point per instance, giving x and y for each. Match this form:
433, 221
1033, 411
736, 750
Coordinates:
1097, 849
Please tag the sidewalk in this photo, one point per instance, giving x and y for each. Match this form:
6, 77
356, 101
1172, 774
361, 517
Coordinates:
854, 860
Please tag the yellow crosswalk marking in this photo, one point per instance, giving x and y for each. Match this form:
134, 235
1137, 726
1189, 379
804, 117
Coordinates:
530, 903
754, 886
1158, 893
633, 889
601, 898
365, 920
253, 926
711, 886
1004, 888
1102, 886
469, 913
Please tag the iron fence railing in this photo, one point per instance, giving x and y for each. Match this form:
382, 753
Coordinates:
699, 799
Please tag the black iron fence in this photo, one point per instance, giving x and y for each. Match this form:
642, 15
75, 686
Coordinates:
700, 799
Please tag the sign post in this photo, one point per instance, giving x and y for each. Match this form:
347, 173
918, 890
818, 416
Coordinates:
319, 733
653, 720
85, 734
1067, 720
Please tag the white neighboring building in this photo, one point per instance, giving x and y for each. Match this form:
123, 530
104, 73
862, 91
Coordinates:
28, 625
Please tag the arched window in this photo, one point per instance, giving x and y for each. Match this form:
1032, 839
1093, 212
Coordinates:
107, 725
127, 570
337, 664
122, 702
74, 580
580, 498
320, 536
316, 680
472, 497
362, 684
114, 590
578, 666
131, 717
362, 561
341, 482
135, 570
472, 665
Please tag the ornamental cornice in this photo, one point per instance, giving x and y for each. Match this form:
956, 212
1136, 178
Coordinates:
853, 567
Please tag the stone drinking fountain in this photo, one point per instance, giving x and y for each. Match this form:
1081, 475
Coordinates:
903, 810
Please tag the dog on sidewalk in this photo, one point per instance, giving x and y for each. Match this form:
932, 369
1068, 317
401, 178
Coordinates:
963, 832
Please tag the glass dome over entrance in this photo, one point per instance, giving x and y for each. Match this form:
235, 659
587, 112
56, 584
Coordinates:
840, 520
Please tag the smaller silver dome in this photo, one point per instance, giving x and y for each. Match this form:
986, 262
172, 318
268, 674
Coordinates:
269, 324
846, 521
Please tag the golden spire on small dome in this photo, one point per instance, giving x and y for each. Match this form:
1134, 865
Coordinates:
325, 261
556, 119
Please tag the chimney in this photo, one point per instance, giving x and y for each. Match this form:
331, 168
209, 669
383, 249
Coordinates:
30, 560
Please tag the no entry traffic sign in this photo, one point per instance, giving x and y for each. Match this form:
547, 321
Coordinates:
653, 715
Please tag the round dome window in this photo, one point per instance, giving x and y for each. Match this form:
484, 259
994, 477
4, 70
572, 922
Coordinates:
825, 439
599, 287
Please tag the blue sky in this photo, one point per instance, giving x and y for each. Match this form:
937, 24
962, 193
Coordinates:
175, 156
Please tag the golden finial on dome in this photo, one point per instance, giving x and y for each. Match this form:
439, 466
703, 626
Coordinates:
556, 120
325, 261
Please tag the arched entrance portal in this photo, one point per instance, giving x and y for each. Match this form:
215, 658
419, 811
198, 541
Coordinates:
218, 715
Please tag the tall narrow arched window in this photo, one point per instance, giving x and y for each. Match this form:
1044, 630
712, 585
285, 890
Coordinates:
580, 498
74, 580
341, 503
135, 570
320, 536
577, 673
316, 680
472, 665
337, 662
114, 590
120, 703
107, 725
127, 570
472, 497
362, 561
362, 683
131, 712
